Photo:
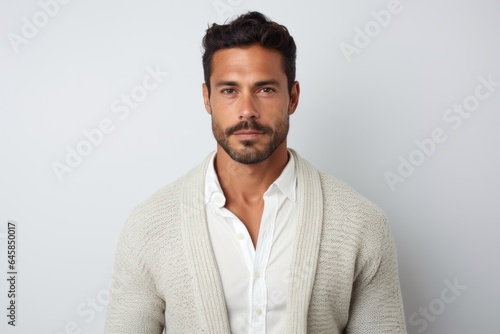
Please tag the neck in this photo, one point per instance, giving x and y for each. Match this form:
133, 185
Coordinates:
247, 183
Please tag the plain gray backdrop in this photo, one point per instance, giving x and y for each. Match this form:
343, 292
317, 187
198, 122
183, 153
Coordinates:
400, 99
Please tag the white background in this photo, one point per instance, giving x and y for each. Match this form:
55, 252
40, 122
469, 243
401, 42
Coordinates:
355, 119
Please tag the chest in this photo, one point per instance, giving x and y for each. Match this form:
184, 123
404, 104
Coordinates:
254, 275
250, 216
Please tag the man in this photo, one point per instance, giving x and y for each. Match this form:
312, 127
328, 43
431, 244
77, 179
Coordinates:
255, 239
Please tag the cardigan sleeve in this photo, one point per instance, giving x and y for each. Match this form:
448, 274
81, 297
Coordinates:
376, 304
135, 307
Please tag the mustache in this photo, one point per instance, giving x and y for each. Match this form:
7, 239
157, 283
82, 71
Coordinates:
248, 125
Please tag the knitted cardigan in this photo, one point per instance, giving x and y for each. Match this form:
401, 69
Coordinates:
343, 276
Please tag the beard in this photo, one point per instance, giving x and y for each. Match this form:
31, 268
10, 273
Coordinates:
250, 153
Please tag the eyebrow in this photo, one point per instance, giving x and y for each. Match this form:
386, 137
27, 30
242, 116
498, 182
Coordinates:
256, 84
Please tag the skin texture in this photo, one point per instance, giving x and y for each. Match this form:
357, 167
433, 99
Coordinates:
250, 106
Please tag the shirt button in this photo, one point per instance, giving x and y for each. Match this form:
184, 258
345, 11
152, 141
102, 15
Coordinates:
257, 274
240, 236
219, 199
258, 312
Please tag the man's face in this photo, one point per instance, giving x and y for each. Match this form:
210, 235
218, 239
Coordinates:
249, 102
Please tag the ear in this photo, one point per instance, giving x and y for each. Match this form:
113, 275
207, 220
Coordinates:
294, 97
206, 98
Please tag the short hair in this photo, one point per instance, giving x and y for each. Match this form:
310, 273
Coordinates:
246, 30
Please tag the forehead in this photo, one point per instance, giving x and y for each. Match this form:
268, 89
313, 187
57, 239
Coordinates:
250, 61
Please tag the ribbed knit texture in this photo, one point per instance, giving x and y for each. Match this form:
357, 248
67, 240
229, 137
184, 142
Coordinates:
343, 278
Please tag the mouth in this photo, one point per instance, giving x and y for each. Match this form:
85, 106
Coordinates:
248, 134
249, 130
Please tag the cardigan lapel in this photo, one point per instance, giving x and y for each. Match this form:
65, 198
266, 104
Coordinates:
306, 245
208, 291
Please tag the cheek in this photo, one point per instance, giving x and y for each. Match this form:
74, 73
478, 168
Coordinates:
223, 103
223, 110
280, 115
280, 107
217, 129
219, 119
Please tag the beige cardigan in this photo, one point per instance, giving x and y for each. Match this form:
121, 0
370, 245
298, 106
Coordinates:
343, 277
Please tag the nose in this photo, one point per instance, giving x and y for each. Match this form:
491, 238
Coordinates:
248, 107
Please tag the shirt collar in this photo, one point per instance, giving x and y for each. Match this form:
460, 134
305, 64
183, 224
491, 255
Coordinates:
286, 182
212, 185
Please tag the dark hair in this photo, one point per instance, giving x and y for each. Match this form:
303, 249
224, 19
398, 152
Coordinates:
245, 30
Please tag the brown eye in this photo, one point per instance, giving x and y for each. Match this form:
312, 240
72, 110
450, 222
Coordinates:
228, 91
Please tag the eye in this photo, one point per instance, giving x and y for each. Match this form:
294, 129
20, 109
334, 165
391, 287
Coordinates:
267, 90
228, 91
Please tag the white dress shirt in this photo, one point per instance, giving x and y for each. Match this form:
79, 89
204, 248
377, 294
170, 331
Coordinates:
255, 280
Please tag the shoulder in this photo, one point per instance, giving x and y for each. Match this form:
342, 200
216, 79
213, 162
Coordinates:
334, 190
346, 199
343, 207
158, 204
159, 212
360, 223
146, 223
